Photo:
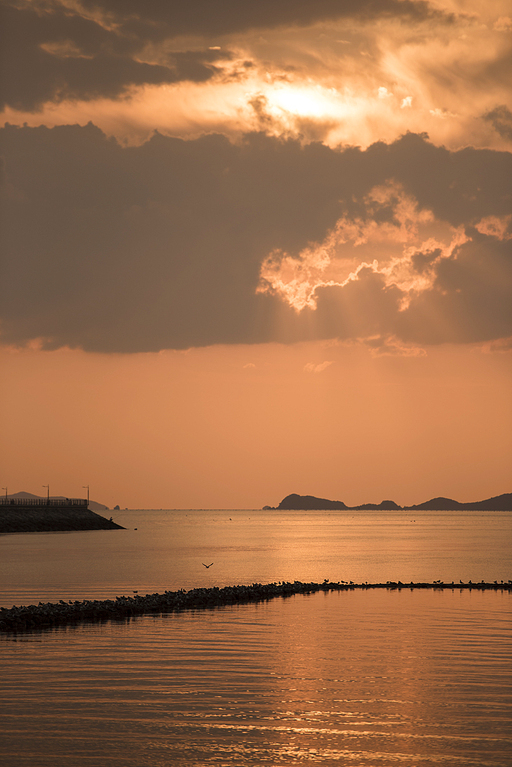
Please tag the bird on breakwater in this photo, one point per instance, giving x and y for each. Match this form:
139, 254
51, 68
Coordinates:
46, 616
207, 566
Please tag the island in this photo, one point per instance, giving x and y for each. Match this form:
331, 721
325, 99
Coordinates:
295, 502
26, 513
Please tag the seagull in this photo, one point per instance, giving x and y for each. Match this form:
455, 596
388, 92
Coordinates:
207, 566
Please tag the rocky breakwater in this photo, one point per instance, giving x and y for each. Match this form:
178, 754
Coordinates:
51, 615
55, 516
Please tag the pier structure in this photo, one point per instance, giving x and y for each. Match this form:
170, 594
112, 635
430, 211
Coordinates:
45, 515
52, 502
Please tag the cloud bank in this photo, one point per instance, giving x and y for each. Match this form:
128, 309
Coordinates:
59, 49
54, 51
175, 244
339, 71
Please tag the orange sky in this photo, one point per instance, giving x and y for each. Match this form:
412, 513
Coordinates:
238, 426
300, 283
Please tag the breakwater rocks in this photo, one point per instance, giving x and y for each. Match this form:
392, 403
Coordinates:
50, 615
52, 518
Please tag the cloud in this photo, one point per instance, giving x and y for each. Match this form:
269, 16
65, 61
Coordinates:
495, 226
503, 345
503, 24
230, 16
312, 367
501, 120
391, 346
53, 53
60, 49
470, 299
233, 66
162, 246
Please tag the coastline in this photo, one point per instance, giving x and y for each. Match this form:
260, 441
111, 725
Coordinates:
53, 615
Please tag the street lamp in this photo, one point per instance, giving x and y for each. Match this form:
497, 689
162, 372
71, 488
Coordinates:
48, 494
4, 488
86, 487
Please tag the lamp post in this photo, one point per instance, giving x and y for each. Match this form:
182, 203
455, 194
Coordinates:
86, 487
4, 488
47, 494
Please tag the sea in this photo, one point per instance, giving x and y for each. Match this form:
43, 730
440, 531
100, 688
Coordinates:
372, 677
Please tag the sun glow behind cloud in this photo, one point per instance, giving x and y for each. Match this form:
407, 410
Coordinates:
304, 101
381, 82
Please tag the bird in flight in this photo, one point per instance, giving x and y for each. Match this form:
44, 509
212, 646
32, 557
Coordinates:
207, 566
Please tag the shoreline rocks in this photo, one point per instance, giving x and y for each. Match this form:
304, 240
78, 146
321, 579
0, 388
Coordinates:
53, 615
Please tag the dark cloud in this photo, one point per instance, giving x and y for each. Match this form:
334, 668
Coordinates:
153, 246
158, 246
422, 261
456, 186
221, 17
469, 302
51, 51
364, 307
57, 55
501, 120
498, 70
470, 299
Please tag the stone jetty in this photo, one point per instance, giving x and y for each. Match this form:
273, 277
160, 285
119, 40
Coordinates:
41, 515
51, 615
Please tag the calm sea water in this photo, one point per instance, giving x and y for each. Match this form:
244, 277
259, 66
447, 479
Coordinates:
351, 678
167, 550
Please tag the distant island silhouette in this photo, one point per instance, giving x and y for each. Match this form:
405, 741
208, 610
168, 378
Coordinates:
294, 502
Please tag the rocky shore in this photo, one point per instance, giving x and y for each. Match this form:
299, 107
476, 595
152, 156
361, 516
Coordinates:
45, 519
50, 615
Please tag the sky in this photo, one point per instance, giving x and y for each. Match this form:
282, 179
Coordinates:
250, 249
